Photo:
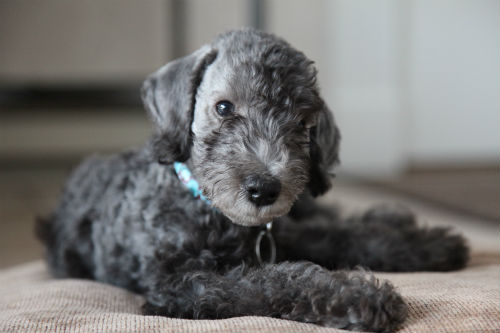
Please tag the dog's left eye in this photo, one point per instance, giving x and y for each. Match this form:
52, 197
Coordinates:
304, 124
307, 123
224, 108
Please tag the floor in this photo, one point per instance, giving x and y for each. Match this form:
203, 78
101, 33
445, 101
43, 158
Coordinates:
474, 192
27, 193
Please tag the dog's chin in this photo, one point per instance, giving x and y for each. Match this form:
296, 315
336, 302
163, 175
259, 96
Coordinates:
250, 220
254, 217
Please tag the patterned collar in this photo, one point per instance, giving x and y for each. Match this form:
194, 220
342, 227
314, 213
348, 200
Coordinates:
186, 177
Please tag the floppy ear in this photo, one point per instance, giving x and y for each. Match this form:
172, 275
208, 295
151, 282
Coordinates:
324, 151
169, 97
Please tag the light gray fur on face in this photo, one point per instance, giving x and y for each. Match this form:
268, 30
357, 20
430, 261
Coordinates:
264, 136
272, 133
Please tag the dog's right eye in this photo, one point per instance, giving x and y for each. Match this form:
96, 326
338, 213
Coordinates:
224, 108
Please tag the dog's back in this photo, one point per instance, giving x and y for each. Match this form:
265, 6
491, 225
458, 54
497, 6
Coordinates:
67, 232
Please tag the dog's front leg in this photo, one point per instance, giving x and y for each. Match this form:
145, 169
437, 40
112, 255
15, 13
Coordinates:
297, 291
384, 238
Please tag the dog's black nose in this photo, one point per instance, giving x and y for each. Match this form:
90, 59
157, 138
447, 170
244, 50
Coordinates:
262, 190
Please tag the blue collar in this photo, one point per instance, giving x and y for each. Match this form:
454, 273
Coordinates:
186, 177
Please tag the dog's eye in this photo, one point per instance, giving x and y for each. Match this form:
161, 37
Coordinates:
307, 123
304, 124
224, 108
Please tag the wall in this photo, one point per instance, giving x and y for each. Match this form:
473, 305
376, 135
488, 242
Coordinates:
206, 19
453, 81
54, 41
365, 84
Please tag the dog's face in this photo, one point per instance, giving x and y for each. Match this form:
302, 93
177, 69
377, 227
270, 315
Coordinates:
254, 131
250, 148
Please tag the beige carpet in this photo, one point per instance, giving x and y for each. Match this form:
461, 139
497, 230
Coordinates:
463, 301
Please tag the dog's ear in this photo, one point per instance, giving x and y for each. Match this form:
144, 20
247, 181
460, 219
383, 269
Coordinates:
324, 151
169, 97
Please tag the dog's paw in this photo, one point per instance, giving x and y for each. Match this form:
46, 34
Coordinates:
440, 250
367, 305
397, 243
380, 309
353, 301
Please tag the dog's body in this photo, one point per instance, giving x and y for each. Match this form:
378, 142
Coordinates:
245, 115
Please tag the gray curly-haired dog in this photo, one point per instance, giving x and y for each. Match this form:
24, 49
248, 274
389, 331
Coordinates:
245, 117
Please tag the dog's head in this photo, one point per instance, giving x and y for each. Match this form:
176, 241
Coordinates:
246, 115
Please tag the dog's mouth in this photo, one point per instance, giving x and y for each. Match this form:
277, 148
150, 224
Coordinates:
244, 213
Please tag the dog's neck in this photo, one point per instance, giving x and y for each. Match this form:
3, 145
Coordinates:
187, 178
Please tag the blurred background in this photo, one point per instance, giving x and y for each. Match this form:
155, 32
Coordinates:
414, 86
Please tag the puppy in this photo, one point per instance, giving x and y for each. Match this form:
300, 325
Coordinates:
214, 217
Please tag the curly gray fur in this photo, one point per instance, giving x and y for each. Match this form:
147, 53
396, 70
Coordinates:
127, 220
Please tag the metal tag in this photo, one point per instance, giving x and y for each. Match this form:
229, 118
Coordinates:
272, 245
